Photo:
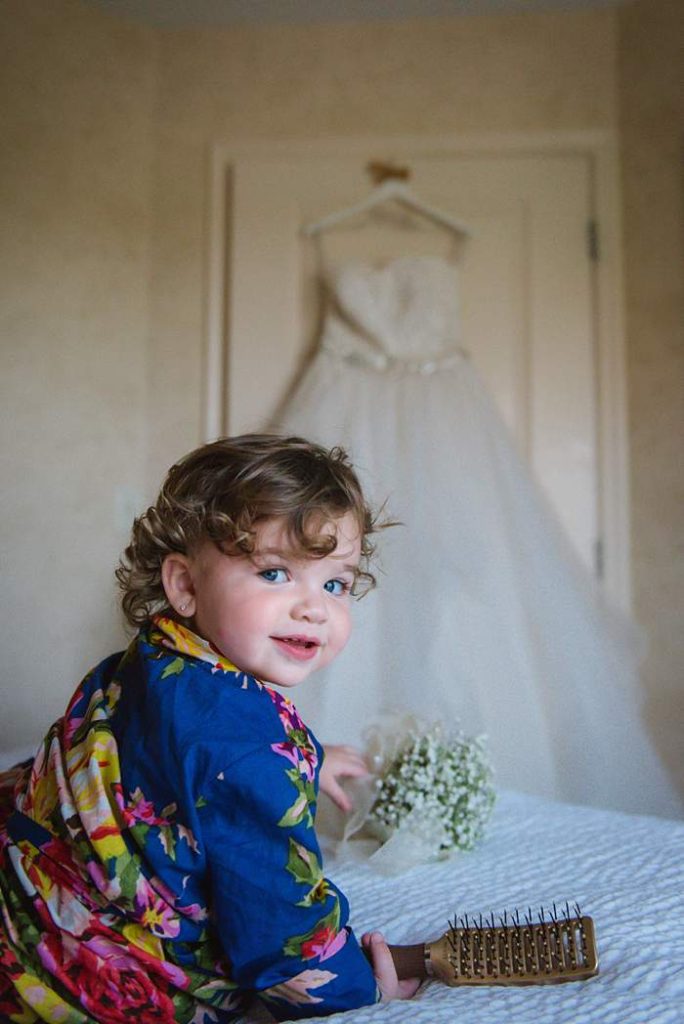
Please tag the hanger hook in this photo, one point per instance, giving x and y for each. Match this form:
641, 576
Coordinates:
385, 170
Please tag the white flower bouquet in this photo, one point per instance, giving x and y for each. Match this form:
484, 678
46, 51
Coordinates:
432, 794
439, 785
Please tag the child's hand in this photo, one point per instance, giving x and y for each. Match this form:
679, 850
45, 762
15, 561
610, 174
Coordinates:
377, 950
341, 762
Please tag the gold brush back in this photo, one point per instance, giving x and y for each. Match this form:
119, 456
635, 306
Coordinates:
515, 952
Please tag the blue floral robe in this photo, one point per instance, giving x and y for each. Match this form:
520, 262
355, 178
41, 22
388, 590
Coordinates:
158, 857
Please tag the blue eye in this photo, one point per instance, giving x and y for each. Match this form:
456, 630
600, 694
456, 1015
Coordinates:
274, 575
336, 587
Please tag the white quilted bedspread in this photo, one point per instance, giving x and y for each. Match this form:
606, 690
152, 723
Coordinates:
626, 872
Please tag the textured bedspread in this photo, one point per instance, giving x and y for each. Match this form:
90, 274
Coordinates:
626, 872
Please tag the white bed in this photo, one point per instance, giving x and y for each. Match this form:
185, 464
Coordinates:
626, 872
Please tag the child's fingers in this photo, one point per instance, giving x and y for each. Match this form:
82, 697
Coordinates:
408, 988
352, 754
378, 952
345, 760
384, 970
338, 796
341, 762
383, 965
356, 771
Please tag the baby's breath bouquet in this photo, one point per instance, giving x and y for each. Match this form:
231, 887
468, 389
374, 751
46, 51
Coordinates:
440, 784
432, 794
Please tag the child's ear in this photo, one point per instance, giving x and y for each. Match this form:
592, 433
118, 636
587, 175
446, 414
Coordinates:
178, 585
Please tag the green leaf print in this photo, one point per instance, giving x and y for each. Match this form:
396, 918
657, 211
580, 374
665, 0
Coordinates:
300, 739
317, 894
301, 808
303, 865
174, 668
220, 993
306, 869
294, 814
127, 870
168, 840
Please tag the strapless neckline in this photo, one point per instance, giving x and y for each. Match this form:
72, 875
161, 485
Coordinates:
407, 309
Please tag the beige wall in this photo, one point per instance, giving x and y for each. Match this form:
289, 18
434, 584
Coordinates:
77, 94
111, 128
651, 44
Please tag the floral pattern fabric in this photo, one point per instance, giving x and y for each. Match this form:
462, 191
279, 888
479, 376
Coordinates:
158, 855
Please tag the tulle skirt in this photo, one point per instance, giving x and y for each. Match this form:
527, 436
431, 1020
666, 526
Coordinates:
483, 616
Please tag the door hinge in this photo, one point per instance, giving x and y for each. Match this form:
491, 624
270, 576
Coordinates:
599, 563
593, 240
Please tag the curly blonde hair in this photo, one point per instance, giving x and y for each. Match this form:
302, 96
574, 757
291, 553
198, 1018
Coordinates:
222, 491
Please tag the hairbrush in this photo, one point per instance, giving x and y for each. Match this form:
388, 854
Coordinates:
518, 950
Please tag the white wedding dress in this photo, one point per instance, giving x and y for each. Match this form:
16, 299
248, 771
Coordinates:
483, 615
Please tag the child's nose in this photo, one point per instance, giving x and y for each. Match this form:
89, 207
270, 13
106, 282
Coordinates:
310, 607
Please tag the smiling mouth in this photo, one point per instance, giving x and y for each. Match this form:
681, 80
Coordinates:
300, 647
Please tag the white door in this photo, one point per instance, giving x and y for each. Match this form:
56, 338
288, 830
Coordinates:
526, 291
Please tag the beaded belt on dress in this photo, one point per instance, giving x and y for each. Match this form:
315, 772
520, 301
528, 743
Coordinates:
383, 362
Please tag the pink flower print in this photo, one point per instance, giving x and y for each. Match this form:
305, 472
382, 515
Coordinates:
287, 712
116, 954
117, 793
71, 726
138, 810
109, 887
119, 958
154, 913
287, 720
309, 762
174, 974
49, 950
298, 990
303, 758
192, 910
100, 972
324, 944
288, 750
72, 719
143, 810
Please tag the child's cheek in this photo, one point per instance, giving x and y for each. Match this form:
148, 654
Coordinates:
345, 630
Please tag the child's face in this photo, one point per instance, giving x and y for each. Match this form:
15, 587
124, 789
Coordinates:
275, 615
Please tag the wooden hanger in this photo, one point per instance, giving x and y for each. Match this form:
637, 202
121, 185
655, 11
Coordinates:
392, 190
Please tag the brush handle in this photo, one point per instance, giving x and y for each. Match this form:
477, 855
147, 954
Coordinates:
410, 961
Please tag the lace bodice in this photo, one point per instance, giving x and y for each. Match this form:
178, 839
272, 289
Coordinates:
406, 312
